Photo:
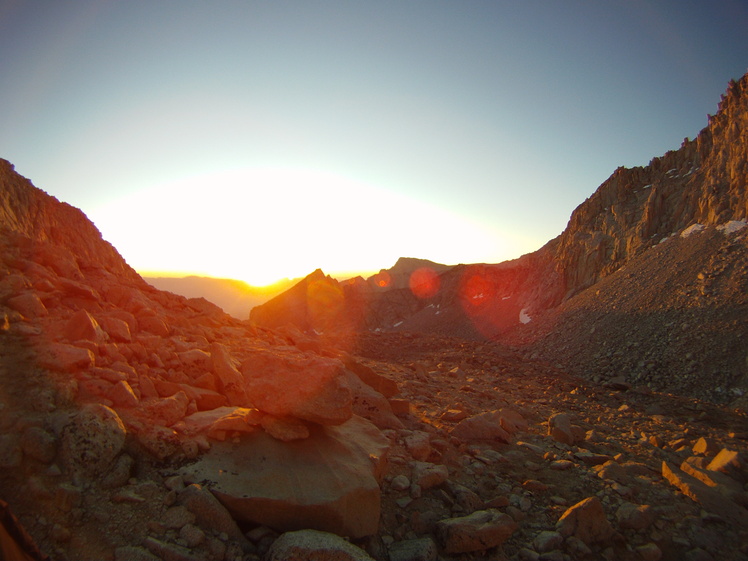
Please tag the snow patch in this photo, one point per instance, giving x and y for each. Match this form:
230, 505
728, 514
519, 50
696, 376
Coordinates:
398, 324
732, 226
647, 186
523, 317
692, 229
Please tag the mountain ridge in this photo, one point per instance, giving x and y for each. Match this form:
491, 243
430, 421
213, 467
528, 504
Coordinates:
633, 211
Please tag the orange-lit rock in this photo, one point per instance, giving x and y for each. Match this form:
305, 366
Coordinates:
28, 304
226, 418
229, 380
65, 358
484, 426
116, 328
587, 521
372, 405
83, 326
295, 384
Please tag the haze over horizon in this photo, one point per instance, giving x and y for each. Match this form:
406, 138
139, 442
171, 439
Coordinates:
258, 141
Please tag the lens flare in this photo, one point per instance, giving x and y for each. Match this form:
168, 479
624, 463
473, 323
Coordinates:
424, 283
382, 279
487, 300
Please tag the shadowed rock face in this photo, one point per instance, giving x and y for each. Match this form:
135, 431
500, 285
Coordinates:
703, 182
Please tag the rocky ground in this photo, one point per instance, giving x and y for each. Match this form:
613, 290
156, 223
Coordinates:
606, 483
672, 319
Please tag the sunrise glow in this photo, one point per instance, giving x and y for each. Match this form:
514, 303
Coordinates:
264, 224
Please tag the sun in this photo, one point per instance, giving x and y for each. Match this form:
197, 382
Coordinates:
260, 279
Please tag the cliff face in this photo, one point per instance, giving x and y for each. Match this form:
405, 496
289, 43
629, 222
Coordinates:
54, 231
702, 182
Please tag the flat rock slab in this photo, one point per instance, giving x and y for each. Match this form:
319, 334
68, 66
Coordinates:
709, 497
327, 482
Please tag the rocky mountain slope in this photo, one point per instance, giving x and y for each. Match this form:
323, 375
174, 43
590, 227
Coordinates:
703, 182
632, 222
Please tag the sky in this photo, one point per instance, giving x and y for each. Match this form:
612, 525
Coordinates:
260, 140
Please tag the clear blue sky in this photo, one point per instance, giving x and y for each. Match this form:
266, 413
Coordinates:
265, 139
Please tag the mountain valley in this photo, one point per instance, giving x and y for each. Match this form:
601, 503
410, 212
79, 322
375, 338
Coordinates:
585, 401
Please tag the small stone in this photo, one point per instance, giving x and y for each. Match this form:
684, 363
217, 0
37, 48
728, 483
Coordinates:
453, 415
485, 426
403, 502
593, 436
427, 475
400, 483
174, 483
547, 541
577, 547
526, 554
418, 444
586, 520
498, 502
478, 531
559, 428
120, 472
313, 544
170, 551
122, 395
649, 552
729, 462
192, 535
706, 447
177, 516
127, 496
466, 499
210, 513
634, 517
420, 549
